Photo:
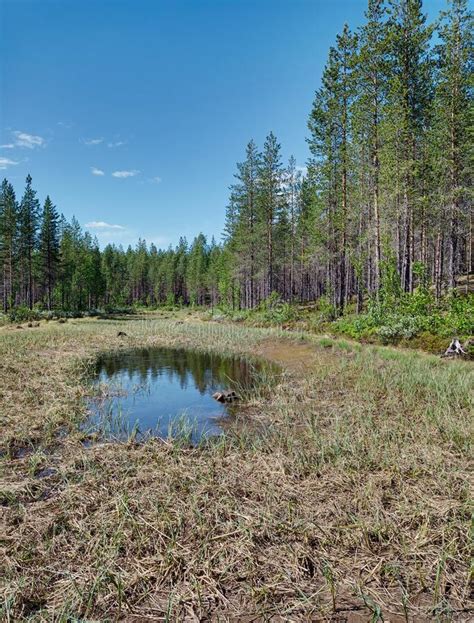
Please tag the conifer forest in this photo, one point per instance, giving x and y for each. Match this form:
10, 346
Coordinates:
386, 194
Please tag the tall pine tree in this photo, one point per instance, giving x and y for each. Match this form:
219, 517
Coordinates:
8, 240
28, 236
49, 249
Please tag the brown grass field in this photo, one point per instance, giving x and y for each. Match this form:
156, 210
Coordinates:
340, 494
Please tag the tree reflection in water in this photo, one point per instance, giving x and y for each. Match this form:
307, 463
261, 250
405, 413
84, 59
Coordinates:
162, 392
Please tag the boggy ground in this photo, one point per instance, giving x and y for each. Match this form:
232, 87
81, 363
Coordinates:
343, 494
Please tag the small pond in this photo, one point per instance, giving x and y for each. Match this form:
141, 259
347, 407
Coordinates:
165, 392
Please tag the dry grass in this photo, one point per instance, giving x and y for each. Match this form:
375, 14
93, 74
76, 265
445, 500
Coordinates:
350, 501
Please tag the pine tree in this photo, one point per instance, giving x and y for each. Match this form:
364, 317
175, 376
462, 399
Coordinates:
138, 271
178, 268
243, 228
8, 239
28, 238
196, 274
49, 249
66, 268
270, 205
293, 194
452, 124
330, 127
409, 98
214, 274
114, 271
372, 77
322, 166
346, 52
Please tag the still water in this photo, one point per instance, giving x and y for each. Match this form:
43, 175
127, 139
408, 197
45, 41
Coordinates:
164, 392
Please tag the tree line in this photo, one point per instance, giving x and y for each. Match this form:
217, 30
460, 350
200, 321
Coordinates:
51, 263
385, 195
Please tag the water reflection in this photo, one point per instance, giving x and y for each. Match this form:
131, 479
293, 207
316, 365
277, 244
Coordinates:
160, 391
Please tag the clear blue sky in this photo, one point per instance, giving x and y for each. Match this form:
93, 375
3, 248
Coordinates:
164, 94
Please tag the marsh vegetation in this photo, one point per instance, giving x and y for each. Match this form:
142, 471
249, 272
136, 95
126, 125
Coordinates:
342, 493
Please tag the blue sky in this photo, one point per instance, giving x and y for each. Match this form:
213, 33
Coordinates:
132, 114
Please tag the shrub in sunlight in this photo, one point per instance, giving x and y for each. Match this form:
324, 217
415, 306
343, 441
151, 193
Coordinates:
399, 327
275, 311
23, 313
326, 310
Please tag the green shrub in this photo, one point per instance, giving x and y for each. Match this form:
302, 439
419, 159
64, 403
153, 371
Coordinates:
23, 313
400, 327
240, 315
274, 311
412, 315
459, 319
326, 310
356, 326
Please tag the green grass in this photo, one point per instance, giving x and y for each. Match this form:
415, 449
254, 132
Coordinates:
411, 320
343, 486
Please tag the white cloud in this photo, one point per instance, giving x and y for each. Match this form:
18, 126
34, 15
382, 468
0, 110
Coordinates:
7, 146
92, 141
159, 241
6, 162
108, 233
157, 179
124, 174
96, 171
116, 144
117, 234
102, 225
22, 139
